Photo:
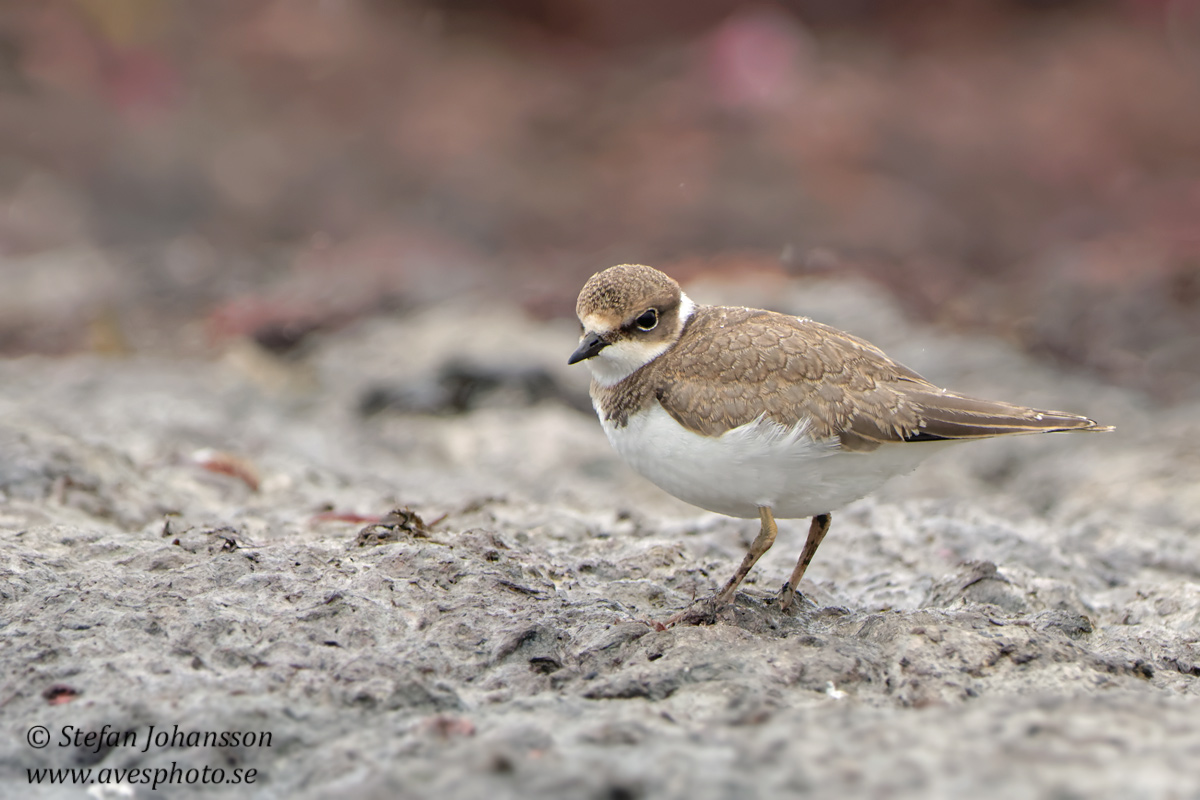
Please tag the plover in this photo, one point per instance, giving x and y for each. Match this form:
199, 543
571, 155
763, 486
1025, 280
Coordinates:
753, 413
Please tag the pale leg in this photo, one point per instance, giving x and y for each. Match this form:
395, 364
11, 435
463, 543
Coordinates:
816, 532
761, 544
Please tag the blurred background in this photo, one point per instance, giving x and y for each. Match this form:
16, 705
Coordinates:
175, 175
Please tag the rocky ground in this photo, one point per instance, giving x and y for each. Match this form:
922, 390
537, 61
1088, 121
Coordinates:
190, 543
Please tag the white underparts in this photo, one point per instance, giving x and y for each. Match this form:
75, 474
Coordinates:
758, 464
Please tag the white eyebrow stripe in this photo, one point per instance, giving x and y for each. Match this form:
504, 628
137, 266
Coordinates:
594, 323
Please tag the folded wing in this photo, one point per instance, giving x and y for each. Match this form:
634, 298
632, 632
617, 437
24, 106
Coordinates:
745, 364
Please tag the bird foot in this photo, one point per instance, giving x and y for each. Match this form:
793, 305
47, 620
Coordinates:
791, 601
787, 596
707, 610
700, 612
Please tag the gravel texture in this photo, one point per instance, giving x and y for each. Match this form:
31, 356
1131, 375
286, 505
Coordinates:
189, 544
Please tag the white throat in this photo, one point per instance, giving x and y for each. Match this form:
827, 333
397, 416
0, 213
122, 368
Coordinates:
618, 361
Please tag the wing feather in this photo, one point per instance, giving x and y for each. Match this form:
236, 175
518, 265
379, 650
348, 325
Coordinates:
732, 366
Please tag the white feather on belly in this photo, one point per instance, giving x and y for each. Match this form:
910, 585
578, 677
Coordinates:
761, 463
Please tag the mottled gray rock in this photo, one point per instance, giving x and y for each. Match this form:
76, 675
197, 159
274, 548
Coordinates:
180, 545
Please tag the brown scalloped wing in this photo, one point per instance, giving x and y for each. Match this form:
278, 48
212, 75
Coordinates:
734, 365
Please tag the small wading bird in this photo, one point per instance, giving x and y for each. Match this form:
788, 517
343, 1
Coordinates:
751, 413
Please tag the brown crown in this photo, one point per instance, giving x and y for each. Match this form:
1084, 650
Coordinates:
617, 291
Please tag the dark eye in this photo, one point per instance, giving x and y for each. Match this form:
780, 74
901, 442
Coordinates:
647, 320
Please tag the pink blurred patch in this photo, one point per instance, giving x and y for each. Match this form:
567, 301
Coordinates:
142, 83
754, 59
